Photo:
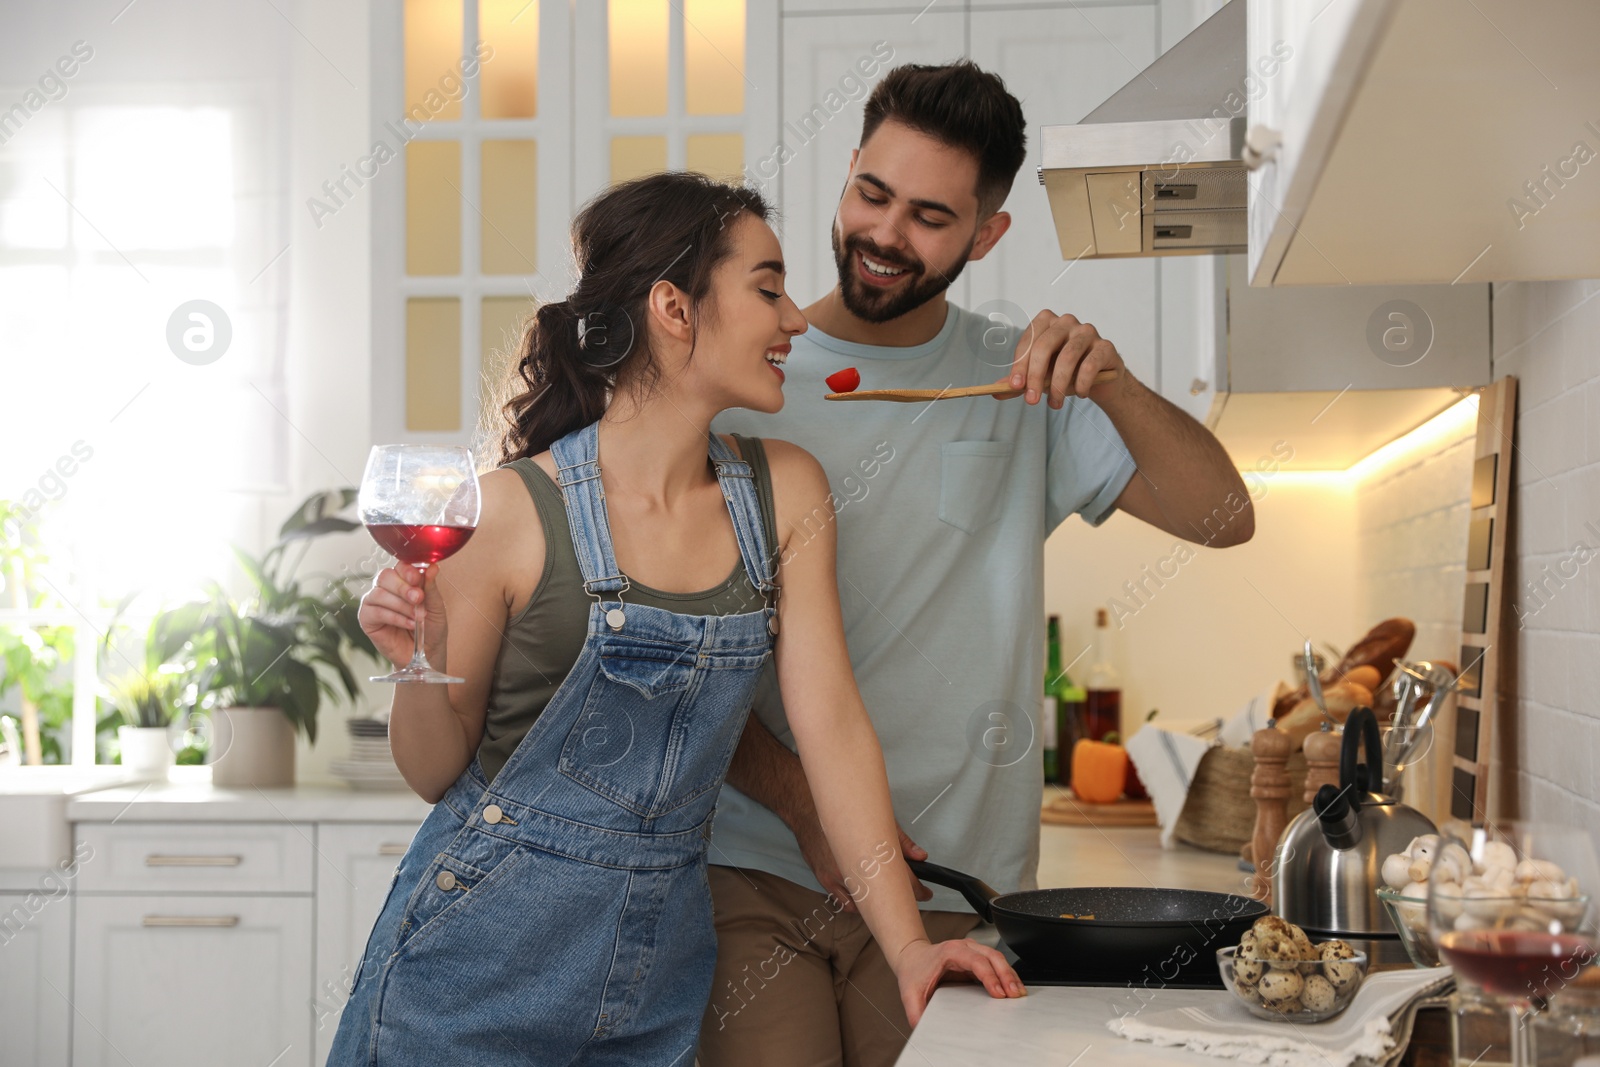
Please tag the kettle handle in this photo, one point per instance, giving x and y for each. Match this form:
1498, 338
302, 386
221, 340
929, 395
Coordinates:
1356, 778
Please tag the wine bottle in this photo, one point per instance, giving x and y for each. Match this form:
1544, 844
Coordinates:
1050, 710
1103, 705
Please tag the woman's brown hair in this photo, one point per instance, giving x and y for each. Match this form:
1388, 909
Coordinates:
673, 226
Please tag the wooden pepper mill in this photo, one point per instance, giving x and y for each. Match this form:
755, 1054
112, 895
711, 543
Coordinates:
1322, 759
1270, 786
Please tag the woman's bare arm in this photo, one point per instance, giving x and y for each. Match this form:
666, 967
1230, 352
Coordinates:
840, 753
434, 730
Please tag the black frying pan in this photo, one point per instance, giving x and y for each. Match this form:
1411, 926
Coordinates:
1137, 933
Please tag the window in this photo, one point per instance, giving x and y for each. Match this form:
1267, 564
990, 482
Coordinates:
141, 332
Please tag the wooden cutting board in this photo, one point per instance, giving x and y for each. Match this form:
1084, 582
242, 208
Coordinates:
1061, 808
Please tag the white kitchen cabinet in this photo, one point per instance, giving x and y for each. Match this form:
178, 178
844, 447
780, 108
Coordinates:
35, 983
355, 868
1425, 141
1061, 62
177, 980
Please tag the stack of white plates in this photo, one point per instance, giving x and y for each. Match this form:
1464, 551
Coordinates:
371, 764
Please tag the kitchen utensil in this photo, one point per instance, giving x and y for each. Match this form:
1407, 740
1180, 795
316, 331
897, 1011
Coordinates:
1137, 933
918, 396
1314, 683
1430, 683
1325, 870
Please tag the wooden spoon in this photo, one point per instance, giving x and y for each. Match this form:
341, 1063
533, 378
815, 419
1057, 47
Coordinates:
918, 396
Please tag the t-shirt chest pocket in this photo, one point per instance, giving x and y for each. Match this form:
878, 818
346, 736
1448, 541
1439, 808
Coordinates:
971, 479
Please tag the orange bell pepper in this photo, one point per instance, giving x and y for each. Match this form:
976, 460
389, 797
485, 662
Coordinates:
1099, 770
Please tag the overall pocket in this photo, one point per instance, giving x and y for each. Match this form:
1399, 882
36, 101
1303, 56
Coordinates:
653, 735
971, 476
451, 884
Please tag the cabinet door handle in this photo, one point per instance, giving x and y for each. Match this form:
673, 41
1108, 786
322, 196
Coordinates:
191, 920
391, 849
154, 860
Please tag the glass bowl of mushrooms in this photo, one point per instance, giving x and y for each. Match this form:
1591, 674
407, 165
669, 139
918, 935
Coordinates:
1278, 974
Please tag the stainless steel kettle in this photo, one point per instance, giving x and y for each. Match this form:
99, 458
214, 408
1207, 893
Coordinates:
1325, 875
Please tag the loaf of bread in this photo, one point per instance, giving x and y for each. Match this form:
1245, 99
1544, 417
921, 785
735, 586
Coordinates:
1373, 654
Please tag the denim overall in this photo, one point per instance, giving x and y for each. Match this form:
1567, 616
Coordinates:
562, 915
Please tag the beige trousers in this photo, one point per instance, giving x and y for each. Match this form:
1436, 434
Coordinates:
800, 984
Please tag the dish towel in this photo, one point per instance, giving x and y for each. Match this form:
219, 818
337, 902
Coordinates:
1166, 761
1372, 1030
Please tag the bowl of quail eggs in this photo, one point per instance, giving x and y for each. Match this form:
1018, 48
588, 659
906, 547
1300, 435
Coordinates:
1278, 973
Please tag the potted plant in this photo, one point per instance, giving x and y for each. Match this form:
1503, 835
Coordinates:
146, 703
261, 665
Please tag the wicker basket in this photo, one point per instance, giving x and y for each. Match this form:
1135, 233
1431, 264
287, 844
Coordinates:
1219, 814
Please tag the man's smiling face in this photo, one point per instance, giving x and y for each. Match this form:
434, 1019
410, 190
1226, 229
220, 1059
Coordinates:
907, 223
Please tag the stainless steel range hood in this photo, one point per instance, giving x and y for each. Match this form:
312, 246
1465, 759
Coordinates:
1157, 169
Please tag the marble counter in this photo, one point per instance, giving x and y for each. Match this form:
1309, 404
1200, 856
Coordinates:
189, 796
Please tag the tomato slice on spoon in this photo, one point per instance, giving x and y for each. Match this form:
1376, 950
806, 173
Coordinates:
844, 381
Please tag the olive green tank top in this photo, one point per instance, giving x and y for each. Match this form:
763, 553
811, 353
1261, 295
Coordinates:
542, 642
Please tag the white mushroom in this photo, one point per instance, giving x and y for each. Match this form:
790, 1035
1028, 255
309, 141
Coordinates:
1464, 923
1497, 854
1397, 870
1447, 902
1502, 880
1483, 902
1455, 863
1416, 890
1539, 871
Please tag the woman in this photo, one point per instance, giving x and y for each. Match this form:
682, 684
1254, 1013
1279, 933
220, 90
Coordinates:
610, 622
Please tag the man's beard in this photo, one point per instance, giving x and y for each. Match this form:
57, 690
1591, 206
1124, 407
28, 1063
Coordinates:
873, 305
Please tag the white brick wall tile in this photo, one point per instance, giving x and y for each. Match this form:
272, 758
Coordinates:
1412, 520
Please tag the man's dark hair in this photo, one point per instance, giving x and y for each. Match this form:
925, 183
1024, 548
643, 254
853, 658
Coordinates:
963, 106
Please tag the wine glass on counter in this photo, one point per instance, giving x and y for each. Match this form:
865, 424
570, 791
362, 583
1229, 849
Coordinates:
1511, 908
420, 503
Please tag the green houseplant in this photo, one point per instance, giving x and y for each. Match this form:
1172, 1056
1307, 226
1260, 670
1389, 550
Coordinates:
35, 659
146, 703
261, 666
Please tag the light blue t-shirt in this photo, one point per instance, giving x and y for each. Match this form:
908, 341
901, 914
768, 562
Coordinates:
942, 512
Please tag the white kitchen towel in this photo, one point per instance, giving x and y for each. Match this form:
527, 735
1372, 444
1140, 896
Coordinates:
1166, 761
1365, 1032
1240, 730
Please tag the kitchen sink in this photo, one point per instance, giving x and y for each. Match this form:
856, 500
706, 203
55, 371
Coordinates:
34, 832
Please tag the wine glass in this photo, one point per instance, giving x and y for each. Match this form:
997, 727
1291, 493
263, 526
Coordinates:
420, 503
1510, 908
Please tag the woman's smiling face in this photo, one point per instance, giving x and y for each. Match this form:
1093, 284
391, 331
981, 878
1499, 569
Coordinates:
743, 335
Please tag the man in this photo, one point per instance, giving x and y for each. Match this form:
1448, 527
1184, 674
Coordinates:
943, 510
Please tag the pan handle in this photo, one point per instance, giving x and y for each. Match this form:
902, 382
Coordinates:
977, 891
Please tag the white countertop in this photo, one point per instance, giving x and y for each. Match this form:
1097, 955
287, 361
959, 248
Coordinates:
1056, 1024
965, 1027
189, 796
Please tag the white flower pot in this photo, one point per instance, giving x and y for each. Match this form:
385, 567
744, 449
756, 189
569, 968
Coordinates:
146, 750
251, 747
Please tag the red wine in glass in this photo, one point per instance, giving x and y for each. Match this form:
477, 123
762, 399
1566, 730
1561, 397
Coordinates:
1517, 963
419, 544
419, 502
